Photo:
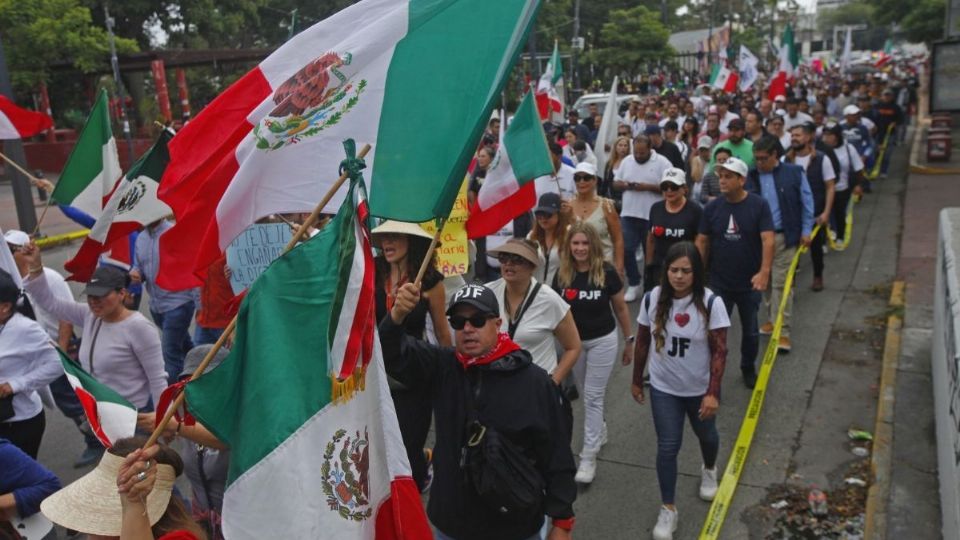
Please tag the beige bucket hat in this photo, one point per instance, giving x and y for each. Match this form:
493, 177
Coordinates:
91, 505
397, 227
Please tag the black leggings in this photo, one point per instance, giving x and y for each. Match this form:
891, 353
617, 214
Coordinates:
25, 434
840, 201
816, 251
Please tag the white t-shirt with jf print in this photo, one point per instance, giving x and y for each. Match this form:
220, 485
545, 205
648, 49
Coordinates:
682, 367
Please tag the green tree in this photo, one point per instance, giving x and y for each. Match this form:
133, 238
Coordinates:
925, 22
631, 38
852, 13
38, 33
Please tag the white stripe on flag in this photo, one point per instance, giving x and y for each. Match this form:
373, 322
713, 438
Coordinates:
354, 285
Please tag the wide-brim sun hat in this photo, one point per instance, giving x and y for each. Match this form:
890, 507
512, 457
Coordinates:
520, 247
91, 505
397, 227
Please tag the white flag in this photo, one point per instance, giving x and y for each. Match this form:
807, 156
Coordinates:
748, 68
7, 263
847, 51
608, 128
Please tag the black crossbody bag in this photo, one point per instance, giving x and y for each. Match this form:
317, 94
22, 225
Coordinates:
506, 480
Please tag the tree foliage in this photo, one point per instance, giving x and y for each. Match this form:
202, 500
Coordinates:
37, 33
631, 38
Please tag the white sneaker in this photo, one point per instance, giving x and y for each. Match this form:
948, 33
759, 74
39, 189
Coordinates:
587, 470
631, 294
708, 483
666, 524
604, 436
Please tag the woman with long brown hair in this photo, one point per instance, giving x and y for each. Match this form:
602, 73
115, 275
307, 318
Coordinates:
621, 148
594, 290
686, 324
548, 232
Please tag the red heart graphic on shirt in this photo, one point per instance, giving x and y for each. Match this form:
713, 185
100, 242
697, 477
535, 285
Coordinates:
658, 231
682, 319
570, 294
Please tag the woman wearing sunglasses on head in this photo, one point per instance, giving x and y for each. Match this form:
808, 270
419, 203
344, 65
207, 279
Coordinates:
533, 314
674, 219
599, 212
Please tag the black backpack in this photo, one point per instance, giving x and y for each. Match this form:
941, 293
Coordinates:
504, 477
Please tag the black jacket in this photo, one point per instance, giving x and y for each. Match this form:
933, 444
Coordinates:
517, 398
672, 153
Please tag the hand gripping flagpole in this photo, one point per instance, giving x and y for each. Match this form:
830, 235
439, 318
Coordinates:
349, 168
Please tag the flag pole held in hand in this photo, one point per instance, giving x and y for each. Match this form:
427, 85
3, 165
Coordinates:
428, 258
348, 167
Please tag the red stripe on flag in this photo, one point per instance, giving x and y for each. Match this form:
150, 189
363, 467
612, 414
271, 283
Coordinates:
82, 265
89, 404
27, 123
401, 515
357, 342
486, 222
202, 165
778, 86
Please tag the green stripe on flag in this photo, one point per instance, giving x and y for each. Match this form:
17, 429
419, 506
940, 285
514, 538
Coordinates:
100, 392
86, 158
276, 377
526, 143
345, 253
154, 161
453, 62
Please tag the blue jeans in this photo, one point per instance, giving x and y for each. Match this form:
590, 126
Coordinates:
634, 236
206, 336
174, 338
748, 304
668, 412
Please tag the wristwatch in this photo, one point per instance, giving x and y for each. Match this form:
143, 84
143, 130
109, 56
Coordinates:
631, 339
565, 524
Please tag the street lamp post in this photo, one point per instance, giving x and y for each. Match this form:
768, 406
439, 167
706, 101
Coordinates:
115, 63
22, 195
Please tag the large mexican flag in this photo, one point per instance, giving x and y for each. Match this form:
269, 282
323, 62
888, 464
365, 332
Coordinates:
93, 166
303, 401
416, 79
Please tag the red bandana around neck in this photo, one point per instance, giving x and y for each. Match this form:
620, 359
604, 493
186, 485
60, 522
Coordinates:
504, 346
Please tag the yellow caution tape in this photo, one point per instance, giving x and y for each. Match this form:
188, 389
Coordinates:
731, 476
872, 175
51, 241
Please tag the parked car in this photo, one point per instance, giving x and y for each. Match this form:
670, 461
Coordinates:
600, 100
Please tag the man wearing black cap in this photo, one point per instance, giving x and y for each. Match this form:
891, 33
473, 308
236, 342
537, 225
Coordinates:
663, 147
740, 146
487, 385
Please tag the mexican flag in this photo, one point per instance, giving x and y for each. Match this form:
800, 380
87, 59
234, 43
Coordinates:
110, 416
550, 93
19, 123
416, 79
303, 401
789, 60
508, 189
132, 205
93, 166
724, 78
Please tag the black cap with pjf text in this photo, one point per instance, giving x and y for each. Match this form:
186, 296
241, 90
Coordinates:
477, 296
104, 280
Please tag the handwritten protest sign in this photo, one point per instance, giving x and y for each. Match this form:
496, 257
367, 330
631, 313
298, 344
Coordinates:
452, 255
252, 252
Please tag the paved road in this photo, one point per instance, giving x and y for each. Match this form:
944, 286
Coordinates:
825, 386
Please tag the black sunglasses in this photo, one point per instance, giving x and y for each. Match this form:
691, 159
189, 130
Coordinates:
582, 178
669, 187
477, 320
510, 258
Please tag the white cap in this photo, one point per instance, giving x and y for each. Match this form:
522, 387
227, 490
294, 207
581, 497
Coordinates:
851, 109
734, 165
780, 112
712, 109
780, 97
586, 168
674, 176
16, 238
705, 142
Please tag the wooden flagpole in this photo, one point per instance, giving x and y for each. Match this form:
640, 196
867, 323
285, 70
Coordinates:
228, 331
34, 181
428, 258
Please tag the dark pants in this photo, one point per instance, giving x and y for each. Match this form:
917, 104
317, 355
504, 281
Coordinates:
206, 336
748, 304
174, 337
651, 277
816, 251
25, 434
840, 201
66, 400
634, 237
414, 411
668, 412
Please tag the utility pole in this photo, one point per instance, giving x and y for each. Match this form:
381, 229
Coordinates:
577, 46
22, 195
124, 117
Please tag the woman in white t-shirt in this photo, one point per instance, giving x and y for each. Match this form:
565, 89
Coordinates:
687, 325
532, 313
849, 177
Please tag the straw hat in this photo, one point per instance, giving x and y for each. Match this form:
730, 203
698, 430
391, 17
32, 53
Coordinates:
518, 246
397, 227
91, 505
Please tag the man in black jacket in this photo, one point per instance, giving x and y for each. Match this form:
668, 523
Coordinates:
511, 395
664, 147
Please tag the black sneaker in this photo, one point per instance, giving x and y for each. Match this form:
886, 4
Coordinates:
749, 378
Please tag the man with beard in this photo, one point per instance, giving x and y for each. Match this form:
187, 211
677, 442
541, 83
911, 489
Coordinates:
737, 143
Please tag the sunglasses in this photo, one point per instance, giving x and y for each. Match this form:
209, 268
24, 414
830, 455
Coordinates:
669, 187
582, 178
544, 215
477, 320
510, 258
